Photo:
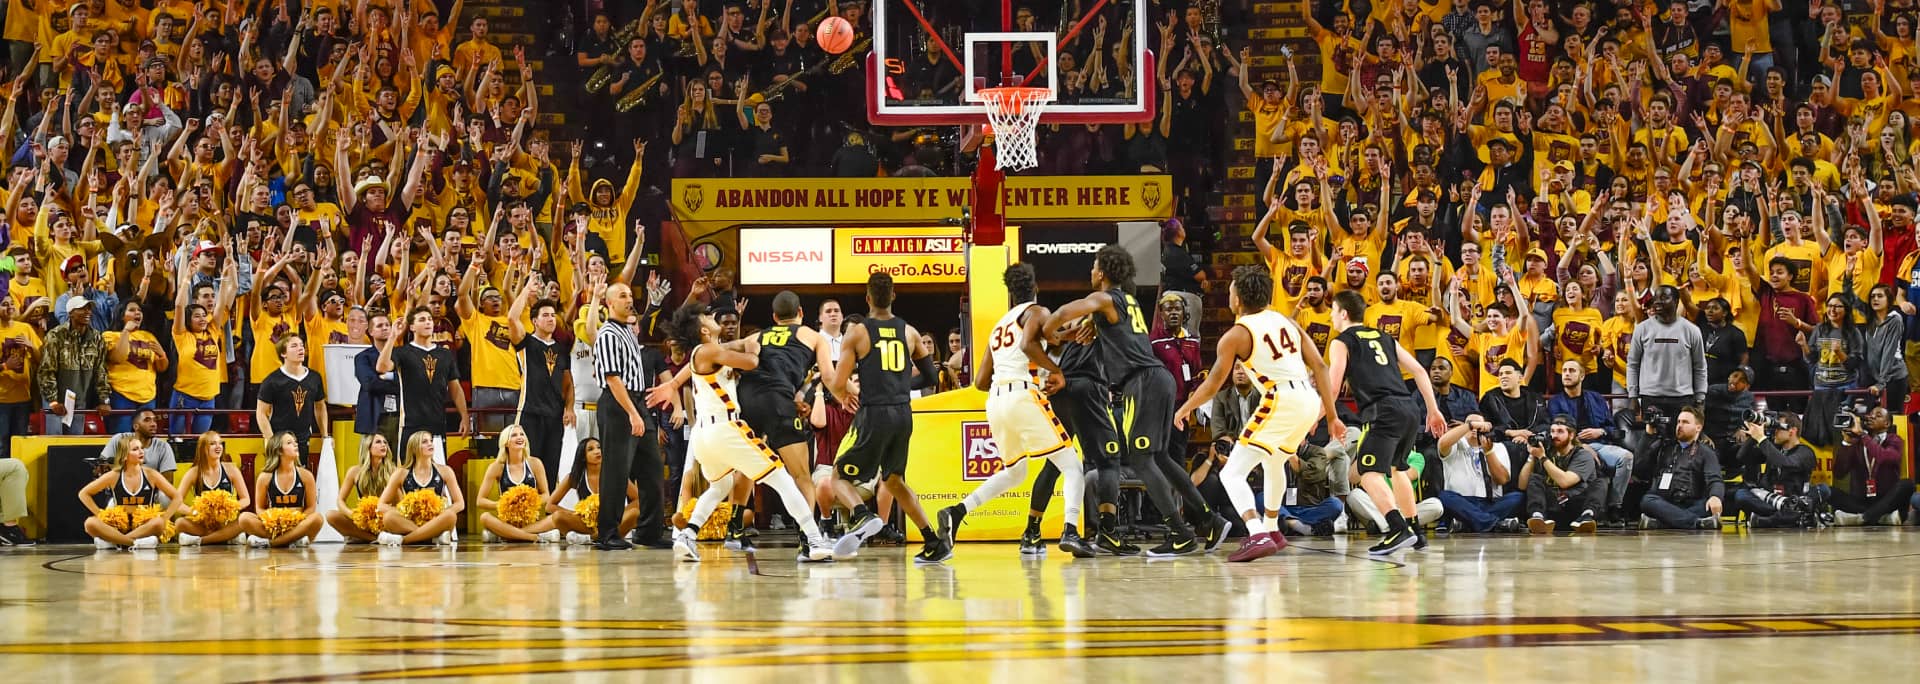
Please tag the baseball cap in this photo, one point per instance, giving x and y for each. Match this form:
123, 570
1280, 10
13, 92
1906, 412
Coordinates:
77, 303
1537, 253
207, 246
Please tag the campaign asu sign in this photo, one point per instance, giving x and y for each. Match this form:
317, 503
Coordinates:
980, 457
786, 256
913, 200
910, 255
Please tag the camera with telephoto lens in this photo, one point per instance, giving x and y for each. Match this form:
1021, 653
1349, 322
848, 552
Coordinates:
1657, 420
1850, 415
1537, 441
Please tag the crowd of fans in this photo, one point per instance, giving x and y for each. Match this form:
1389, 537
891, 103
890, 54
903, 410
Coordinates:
1680, 203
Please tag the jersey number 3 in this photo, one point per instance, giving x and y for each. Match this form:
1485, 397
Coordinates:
1286, 343
893, 355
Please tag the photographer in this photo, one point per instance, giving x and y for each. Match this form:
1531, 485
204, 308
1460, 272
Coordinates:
1595, 428
1866, 472
1729, 408
1773, 498
1516, 411
1683, 478
1477, 470
1559, 474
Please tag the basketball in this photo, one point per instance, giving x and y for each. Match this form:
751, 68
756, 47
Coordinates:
835, 35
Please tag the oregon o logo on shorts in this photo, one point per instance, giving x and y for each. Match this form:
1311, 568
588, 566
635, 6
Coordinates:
1367, 460
797, 425
850, 469
1113, 447
1142, 442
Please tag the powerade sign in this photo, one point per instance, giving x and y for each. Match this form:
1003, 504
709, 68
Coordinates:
1064, 251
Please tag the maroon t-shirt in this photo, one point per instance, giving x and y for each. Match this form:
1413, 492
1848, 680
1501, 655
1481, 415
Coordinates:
1777, 341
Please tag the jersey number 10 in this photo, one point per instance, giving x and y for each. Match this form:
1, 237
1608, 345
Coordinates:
893, 355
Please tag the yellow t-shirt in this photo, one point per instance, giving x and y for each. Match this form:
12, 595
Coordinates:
1747, 20
1290, 279
1265, 119
1399, 318
1865, 272
203, 364
494, 362
1538, 289
17, 387
322, 332
1616, 334
1317, 324
1577, 336
1810, 266
1337, 57
21, 292
135, 377
1493, 348
267, 331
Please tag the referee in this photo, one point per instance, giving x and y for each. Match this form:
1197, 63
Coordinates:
628, 446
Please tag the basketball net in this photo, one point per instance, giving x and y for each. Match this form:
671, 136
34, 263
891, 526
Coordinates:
1012, 114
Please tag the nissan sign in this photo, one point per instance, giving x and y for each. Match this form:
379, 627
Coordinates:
786, 256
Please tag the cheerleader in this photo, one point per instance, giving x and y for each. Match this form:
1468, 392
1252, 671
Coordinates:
366, 479
211, 472
418, 471
584, 481
282, 483
132, 484
513, 468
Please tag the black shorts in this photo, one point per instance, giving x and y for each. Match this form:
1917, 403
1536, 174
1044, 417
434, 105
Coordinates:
1083, 409
876, 444
773, 417
1386, 436
1143, 410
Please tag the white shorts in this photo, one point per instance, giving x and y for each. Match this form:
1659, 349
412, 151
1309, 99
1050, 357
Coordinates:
1023, 423
1283, 420
723, 447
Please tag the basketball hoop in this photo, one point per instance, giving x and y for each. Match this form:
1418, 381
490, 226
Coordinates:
1012, 113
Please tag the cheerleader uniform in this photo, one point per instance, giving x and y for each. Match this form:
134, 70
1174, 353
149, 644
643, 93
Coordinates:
132, 497
225, 484
278, 497
408, 486
506, 477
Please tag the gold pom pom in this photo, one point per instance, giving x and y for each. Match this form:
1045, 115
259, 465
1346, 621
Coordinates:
215, 508
715, 528
168, 532
421, 505
366, 514
139, 515
280, 521
520, 506
589, 511
118, 517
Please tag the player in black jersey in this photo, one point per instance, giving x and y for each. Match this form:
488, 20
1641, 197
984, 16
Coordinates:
1146, 400
1083, 408
879, 348
1371, 363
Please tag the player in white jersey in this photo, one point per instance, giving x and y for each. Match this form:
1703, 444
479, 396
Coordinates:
1019, 414
722, 443
1287, 367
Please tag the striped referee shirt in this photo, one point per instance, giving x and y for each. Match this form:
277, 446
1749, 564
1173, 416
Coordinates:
617, 354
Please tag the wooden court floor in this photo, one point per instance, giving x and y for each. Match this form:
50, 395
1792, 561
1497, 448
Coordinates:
1668, 607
